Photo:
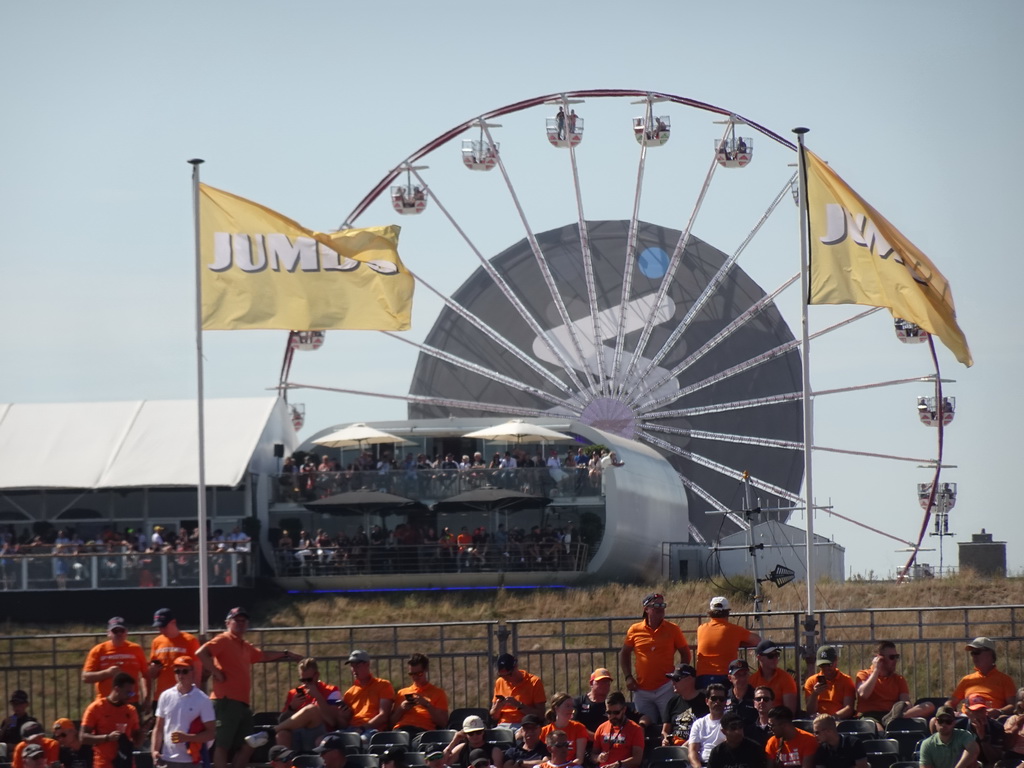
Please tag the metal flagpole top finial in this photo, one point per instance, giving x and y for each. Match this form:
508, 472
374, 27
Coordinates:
196, 161
798, 130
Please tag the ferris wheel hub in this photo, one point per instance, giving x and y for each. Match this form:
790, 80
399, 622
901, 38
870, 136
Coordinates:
611, 415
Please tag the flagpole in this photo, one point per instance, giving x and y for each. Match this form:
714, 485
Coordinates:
201, 549
805, 355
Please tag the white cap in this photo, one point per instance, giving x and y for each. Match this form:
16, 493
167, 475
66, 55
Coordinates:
719, 604
473, 723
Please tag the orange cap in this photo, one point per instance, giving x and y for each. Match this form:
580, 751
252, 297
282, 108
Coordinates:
184, 661
600, 674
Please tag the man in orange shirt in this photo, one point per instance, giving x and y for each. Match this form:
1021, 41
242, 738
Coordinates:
768, 674
111, 726
882, 693
165, 648
517, 693
228, 660
655, 642
719, 642
422, 706
32, 733
310, 710
995, 688
618, 742
369, 699
789, 747
830, 692
114, 656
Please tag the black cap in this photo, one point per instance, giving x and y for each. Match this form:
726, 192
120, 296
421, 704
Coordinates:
330, 742
506, 662
30, 728
683, 670
736, 664
234, 613
19, 697
33, 751
530, 720
163, 617
281, 754
767, 646
479, 756
395, 753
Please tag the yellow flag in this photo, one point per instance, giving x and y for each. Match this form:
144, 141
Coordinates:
263, 270
858, 257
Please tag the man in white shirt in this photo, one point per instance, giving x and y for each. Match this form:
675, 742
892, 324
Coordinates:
184, 719
706, 731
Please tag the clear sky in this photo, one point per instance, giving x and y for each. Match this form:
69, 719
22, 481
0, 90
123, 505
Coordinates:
304, 106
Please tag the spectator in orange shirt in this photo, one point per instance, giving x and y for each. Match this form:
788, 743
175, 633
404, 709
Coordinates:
718, 644
228, 660
422, 706
114, 656
655, 642
789, 747
111, 726
768, 674
559, 717
516, 693
370, 699
995, 687
830, 692
32, 734
170, 644
311, 709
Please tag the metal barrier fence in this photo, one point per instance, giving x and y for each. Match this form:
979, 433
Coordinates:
563, 652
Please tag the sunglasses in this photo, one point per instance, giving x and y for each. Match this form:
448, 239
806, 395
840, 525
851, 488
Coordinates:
307, 680
657, 605
61, 735
181, 670
613, 712
562, 744
716, 698
944, 720
978, 651
893, 656
772, 655
734, 727
763, 698
119, 631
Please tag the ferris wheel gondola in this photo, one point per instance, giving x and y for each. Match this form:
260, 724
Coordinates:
409, 199
480, 154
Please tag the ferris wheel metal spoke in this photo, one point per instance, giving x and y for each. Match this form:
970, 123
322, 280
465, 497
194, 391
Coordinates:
710, 499
627, 268
725, 437
872, 455
495, 336
448, 402
930, 379
713, 284
480, 370
736, 405
673, 264
695, 531
549, 280
765, 302
501, 283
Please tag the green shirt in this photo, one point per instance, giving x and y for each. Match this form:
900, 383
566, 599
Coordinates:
936, 754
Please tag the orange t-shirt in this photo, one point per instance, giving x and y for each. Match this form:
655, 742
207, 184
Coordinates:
718, 643
831, 701
618, 743
165, 650
781, 683
233, 656
790, 752
51, 750
528, 691
104, 717
418, 716
129, 657
573, 731
888, 690
996, 686
365, 700
655, 652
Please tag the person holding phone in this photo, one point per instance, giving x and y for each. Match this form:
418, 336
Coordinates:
311, 709
421, 706
829, 691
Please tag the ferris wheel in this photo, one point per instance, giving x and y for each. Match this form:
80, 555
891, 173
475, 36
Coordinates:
594, 312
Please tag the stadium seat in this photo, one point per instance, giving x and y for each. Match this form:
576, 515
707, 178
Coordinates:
881, 746
266, 718
361, 761
353, 742
804, 725
458, 715
415, 759
307, 761
428, 741
881, 760
916, 724
660, 754
503, 738
862, 729
908, 742
387, 738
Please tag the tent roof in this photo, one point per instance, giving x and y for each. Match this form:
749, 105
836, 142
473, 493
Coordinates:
128, 444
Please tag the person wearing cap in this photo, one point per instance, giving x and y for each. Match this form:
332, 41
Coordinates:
422, 706
469, 738
882, 693
530, 749
32, 735
311, 709
590, 706
393, 757
829, 691
559, 715
369, 700
332, 750
477, 759
618, 742
111, 725
655, 642
948, 747
685, 706
736, 749
115, 655
516, 693
995, 686
988, 731
10, 731
281, 756
73, 753
740, 691
835, 749
33, 756
768, 673
789, 746
558, 744
1013, 728
165, 648
228, 660
435, 758
706, 731
719, 642
184, 718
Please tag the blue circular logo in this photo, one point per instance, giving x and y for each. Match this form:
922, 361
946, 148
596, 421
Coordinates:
653, 262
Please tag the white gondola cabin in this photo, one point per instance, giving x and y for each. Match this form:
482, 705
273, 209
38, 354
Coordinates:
734, 152
565, 130
408, 199
306, 340
908, 332
479, 155
928, 411
945, 499
653, 132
